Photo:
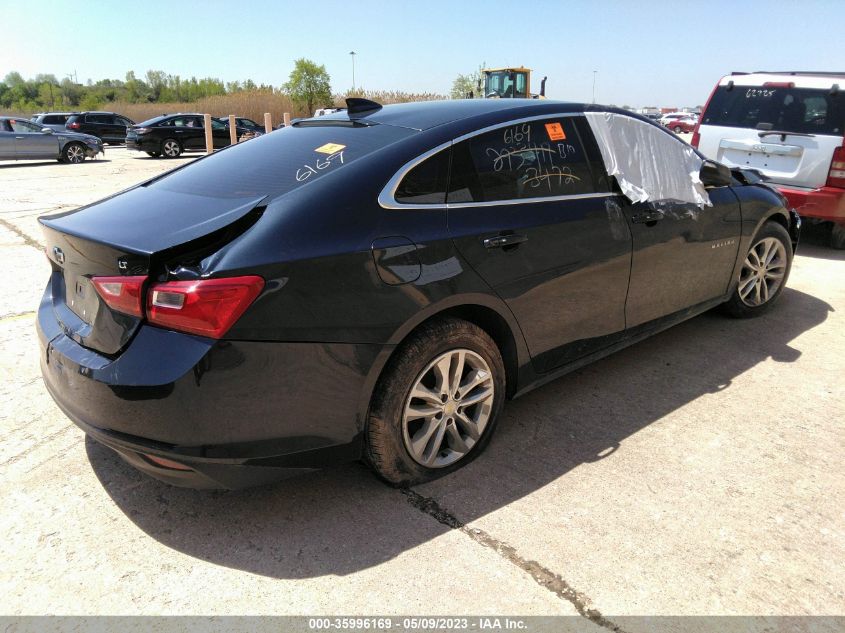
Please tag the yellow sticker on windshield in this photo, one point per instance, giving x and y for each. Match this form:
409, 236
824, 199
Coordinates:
330, 148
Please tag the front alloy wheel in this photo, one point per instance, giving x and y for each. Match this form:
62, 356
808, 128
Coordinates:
74, 153
448, 408
762, 272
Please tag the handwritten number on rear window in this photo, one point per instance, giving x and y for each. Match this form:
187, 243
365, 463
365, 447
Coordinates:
306, 171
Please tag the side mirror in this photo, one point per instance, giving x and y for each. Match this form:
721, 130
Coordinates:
715, 174
46, 130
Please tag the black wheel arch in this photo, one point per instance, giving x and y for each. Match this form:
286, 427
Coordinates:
486, 311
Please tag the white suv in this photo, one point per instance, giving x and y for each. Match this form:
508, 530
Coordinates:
790, 127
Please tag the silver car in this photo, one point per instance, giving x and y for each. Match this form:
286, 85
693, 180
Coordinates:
53, 120
24, 140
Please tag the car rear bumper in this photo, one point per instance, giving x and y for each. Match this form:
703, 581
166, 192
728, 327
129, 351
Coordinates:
142, 145
824, 203
235, 413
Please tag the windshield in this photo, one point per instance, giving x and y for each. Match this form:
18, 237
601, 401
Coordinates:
501, 83
276, 163
803, 110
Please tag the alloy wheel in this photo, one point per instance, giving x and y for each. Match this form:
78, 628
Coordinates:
762, 272
448, 408
171, 149
75, 154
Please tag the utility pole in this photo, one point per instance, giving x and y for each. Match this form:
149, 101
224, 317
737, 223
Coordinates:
352, 54
594, 85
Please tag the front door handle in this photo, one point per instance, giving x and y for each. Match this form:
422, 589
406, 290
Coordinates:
646, 217
499, 241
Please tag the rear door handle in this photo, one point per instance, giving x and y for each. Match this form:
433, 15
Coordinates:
644, 217
498, 241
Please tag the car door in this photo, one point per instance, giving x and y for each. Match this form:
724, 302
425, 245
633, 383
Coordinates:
530, 210
683, 253
184, 129
220, 134
7, 141
98, 125
31, 142
113, 130
122, 125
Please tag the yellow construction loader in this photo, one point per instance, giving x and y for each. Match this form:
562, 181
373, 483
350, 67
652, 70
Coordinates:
509, 83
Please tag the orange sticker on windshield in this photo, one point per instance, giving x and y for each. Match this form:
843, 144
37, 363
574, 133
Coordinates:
555, 132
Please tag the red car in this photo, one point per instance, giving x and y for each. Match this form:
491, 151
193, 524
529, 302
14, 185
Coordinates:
682, 125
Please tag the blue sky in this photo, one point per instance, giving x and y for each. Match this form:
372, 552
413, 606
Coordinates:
646, 53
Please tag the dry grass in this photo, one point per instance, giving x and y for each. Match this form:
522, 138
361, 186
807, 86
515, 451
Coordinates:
252, 105
388, 96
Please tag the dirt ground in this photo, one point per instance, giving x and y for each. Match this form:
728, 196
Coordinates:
698, 472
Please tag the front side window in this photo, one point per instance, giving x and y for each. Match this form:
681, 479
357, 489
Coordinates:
23, 127
535, 159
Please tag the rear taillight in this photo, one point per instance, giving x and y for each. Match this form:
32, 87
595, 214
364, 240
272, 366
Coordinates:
141, 130
73, 126
208, 307
836, 175
122, 294
696, 136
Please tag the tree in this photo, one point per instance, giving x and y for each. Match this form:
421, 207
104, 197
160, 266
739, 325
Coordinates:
464, 84
309, 84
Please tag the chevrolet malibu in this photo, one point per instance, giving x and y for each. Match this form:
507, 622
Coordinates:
375, 283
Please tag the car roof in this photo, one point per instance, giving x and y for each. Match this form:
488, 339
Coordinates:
423, 115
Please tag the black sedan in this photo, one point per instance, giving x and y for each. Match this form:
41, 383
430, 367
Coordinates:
168, 136
374, 284
243, 123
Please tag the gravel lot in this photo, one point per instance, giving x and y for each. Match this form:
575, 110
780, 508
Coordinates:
698, 472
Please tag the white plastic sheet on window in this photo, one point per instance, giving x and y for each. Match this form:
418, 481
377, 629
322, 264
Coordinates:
648, 163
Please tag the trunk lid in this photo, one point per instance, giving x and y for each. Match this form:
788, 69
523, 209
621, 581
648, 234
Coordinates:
127, 235
800, 161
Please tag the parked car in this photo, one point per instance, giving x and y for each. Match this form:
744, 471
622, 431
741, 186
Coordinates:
375, 283
108, 126
791, 127
171, 134
53, 120
668, 119
21, 139
248, 125
683, 125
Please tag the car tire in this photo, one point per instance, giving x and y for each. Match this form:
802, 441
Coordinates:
677, 129
837, 236
170, 148
420, 426
764, 272
154, 154
73, 153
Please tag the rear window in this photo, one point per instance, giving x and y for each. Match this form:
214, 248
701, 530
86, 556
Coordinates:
279, 162
804, 110
56, 118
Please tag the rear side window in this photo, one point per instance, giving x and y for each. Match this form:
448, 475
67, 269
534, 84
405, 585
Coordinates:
277, 163
536, 159
804, 110
55, 119
426, 183
99, 118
